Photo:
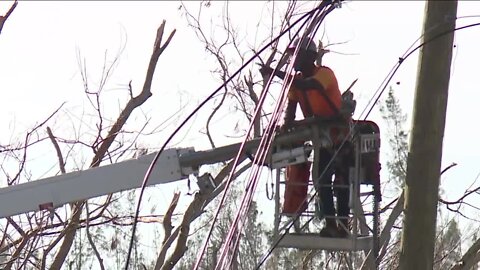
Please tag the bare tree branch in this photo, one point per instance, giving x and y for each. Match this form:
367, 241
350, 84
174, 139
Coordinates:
68, 237
387, 229
16, 254
167, 219
62, 169
4, 18
90, 239
138, 100
394, 214
220, 183
167, 228
26, 142
57, 150
470, 258
131, 105
196, 205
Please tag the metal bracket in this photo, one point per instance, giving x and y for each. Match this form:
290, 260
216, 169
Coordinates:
49, 207
369, 143
206, 184
285, 157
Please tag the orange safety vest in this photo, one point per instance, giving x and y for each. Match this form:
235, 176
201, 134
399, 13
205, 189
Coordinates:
313, 100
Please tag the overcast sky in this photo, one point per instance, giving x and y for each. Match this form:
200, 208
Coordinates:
39, 66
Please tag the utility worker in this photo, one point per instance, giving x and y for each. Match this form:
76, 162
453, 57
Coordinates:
315, 89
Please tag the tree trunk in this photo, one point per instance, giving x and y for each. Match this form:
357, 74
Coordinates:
425, 153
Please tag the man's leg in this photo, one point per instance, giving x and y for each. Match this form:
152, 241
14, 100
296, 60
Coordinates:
326, 194
342, 178
296, 188
343, 209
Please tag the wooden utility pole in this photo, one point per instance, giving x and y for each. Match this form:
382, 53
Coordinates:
425, 153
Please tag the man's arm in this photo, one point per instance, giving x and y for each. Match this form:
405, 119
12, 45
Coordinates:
308, 83
280, 74
302, 84
290, 112
266, 71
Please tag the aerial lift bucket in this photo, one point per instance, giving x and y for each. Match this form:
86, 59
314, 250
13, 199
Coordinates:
367, 166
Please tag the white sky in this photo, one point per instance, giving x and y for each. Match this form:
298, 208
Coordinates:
39, 68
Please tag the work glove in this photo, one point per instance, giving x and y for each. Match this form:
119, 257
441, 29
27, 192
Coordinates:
284, 128
265, 70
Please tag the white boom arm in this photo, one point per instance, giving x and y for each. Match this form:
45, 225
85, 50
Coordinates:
173, 165
56, 191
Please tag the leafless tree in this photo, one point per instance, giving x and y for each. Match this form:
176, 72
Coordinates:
28, 240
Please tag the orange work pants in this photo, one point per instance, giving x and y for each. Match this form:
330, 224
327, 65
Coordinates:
296, 188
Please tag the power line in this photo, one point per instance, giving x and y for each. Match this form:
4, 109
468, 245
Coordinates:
402, 59
260, 156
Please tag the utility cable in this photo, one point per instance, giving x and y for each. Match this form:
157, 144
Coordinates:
394, 69
263, 149
231, 231
246, 200
261, 153
401, 60
254, 179
251, 185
